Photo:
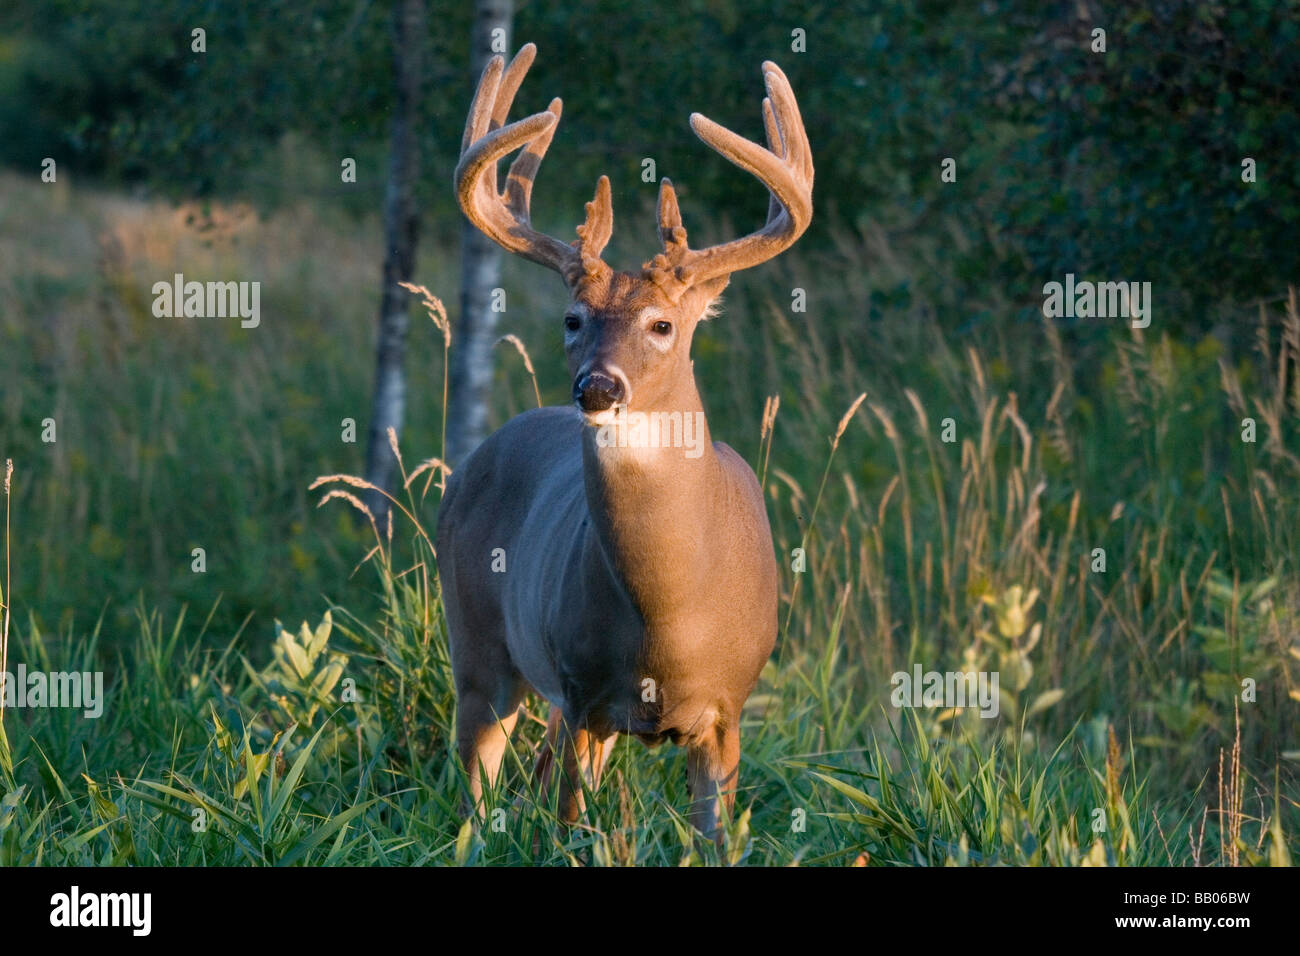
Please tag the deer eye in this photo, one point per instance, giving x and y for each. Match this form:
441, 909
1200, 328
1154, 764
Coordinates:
662, 328
572, 323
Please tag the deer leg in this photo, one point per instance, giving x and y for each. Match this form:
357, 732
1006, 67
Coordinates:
583, 756
712, 768
559, 740
546, 753
586, 759
482, 737
600, 754
572, 746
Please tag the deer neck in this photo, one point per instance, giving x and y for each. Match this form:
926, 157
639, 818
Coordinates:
652, 503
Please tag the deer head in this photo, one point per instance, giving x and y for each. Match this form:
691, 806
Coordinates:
628, 335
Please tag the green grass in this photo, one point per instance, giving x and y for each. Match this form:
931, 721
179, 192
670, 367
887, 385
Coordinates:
281, 773
1123, 738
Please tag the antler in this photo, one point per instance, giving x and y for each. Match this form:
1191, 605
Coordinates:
785, 168
505, 218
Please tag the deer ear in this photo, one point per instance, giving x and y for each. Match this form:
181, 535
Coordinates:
704, 294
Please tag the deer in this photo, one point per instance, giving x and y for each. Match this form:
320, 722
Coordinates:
625, 575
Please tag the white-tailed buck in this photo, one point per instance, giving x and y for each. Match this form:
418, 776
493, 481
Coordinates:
608, 555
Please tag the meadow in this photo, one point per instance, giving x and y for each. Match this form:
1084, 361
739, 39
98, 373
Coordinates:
1071, 505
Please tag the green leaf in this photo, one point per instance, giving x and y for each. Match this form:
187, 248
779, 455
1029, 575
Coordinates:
464, 841
1263, 589
290, 782
9, 804
322, 635
324, 832
1045, 700
296, 655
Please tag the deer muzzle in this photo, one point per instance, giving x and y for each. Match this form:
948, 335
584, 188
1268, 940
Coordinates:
596, 391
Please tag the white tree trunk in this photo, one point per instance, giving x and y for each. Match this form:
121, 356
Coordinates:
476, 324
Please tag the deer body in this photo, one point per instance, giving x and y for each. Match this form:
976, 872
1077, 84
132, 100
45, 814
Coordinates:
584, 613
625, 575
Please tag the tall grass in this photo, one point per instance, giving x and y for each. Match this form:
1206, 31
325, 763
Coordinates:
1122, 687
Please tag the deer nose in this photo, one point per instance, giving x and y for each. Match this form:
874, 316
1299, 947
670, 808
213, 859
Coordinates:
595, 392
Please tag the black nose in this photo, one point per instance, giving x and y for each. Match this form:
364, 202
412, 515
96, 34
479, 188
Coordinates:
595, 392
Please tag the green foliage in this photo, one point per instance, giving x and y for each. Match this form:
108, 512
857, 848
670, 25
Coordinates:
117, 89
1146, 143
303, 674
1120, 165
203, 790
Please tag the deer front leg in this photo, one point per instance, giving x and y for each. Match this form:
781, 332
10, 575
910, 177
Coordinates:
546, 753
713, 768
481, 738
583, 757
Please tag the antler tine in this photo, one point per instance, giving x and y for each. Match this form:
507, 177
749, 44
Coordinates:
775, 144
794, 136
523, 171
492, 100
671, 231
507, 85
664, 267
480, 110
511, 80
506, 218
785, 168
593, 235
